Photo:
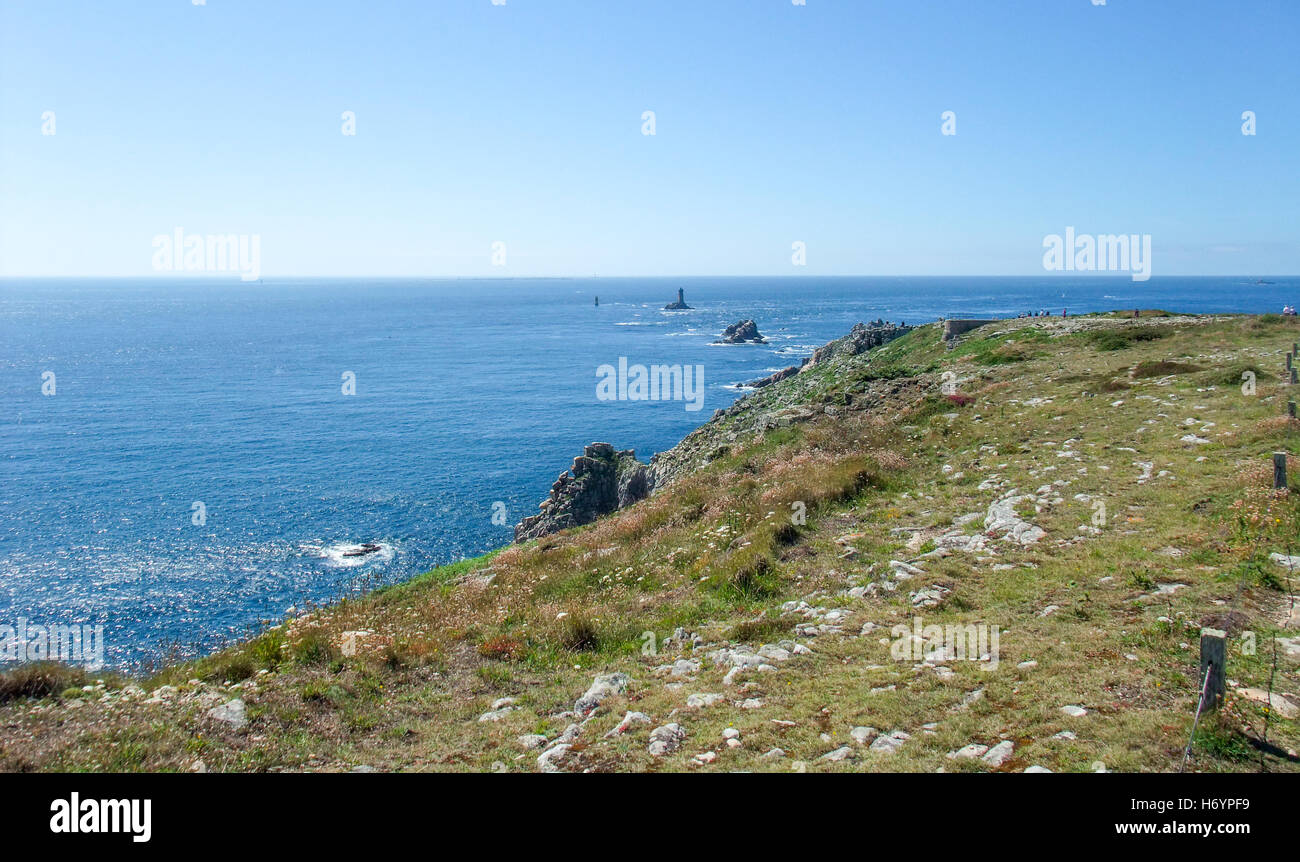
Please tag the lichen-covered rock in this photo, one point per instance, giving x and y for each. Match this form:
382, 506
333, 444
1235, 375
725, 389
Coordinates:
666, 739
601, 480
603, 687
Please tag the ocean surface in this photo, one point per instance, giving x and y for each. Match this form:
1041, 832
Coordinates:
470, 397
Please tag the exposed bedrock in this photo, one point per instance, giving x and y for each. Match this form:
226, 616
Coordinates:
601, 480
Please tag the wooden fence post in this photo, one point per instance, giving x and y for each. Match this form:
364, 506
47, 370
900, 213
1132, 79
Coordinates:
1214, 656
1279, 470
1290, 409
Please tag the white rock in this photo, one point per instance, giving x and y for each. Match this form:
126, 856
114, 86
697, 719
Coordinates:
497, 714
231, 712
629, 719
1292, 563
666, 739
863, 735
1278, 703
551, 760
1074, 711
603, 687
968, 752
1000, 753
841, 753
891, 743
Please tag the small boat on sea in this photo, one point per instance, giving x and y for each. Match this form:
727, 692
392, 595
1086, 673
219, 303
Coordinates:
361, 550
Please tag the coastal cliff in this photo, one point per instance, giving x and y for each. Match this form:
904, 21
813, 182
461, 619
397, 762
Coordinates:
603, 480
600, 481
1084, 495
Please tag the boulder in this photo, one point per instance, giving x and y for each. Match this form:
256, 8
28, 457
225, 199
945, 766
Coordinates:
603, 687
742, 332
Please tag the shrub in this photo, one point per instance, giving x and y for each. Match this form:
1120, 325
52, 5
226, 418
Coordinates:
266, 651
1118, 339
39, 679
961, 399
578, 632
314, 648
1162, 368
501, 648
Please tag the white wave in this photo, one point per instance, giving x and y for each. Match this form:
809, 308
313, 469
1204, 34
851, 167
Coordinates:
338, 554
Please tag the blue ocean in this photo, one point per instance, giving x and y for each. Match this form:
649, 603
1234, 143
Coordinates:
198, 466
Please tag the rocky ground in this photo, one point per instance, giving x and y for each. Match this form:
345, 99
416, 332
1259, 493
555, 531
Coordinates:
1098, 489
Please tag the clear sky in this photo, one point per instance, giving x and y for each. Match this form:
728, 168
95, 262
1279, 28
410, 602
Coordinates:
774, 123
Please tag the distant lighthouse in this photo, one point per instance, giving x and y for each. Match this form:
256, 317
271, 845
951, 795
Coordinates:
680, 304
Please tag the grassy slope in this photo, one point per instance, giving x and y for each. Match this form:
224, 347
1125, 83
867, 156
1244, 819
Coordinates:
1079, 407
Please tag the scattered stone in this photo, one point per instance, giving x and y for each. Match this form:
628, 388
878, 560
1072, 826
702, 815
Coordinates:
1074, 711
699, 701
863, 735
531, 741
666, 739
551, 760
603, 687
1275, 701
891, 743
231, 712
628, 721
1002, 520
841, 753
497, 714
999, 754
968, 752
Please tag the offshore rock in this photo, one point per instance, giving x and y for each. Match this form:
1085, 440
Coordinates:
742, 332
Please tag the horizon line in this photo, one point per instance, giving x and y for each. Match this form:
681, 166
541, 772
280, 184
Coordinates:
233, 276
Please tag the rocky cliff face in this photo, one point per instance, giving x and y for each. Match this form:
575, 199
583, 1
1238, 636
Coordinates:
601, 480
863, 337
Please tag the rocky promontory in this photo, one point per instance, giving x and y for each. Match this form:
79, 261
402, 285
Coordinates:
742, 332
863, 337
601, 480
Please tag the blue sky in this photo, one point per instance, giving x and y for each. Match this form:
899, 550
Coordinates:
775, 123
